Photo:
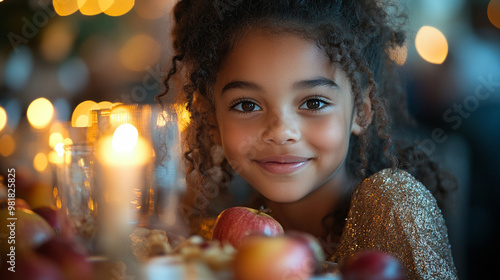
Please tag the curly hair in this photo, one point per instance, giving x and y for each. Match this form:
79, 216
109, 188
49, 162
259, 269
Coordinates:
357, 35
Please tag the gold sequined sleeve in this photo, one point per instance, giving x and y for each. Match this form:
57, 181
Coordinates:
391, 211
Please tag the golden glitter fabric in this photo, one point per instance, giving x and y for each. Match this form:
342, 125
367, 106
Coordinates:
392, 212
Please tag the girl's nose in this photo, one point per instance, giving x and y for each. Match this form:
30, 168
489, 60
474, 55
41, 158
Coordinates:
281, 129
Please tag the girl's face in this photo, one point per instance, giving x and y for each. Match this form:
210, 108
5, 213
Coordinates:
284, 115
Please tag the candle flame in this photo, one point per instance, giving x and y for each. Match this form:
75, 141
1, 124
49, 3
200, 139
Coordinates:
125, 138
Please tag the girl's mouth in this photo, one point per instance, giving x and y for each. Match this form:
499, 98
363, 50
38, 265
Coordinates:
283, 164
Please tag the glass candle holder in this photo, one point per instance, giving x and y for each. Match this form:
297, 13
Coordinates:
78, 193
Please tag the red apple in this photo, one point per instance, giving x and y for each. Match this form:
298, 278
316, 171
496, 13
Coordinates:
236, 223
273, 258
23, 230
52, 215
312, 243
69, 255
31, 266
371, 265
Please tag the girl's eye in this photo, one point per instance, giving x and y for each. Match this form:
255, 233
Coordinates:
245, 106
314, 104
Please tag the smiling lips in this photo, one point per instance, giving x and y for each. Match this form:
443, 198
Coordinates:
282, 164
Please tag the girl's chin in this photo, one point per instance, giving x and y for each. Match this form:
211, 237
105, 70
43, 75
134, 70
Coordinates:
283, 197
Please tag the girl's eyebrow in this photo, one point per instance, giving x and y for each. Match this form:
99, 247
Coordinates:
315, 82
303, 84
240, 85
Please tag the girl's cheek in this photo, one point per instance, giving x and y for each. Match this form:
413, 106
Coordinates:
330, 134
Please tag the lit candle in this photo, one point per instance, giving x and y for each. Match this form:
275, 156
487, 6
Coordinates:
122, 160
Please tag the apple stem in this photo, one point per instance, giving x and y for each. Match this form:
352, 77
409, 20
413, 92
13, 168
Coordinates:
264, 210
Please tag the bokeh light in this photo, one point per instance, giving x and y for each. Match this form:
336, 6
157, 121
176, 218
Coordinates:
40, 162
3, 118
7, 145
67, 142
58, 127
18, 68
494, 12
82, 121
398, 54
102, 105
117, 7
125, 138
431, 44
54, 157
40, 113
57, 40
55, 138
119, 115
65, 7
184, 116
73, 75
139, 52
81, 114
153, 9
13, 109
89, 7
161, 119
59, 148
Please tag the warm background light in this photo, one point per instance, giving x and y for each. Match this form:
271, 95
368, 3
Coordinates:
7, 145
125, 138
117, 7
153, 9
67, 142
65, 7
59, 128
56, 156
494, 12
59, 148
398, 54
3, 118
40, 113
55, 138
139, 52
431, 45
40, 162
89, 7
184, 116
161, 119
57, 40
102, 105
120, 115
95, 7
81, 114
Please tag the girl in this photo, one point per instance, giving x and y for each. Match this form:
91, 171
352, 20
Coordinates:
298, 95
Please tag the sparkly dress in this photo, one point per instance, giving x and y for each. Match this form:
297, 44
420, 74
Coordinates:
392, 212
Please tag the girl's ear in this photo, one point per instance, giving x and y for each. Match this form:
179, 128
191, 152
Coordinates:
359, 125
